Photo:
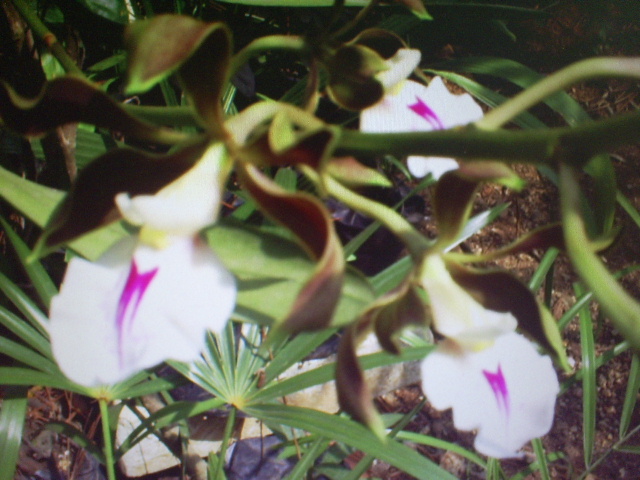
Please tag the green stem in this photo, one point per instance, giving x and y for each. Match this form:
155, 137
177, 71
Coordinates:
182, 116
416, 243
228, 430
604, 67
43, 33
622, 309
575, 145
107, 440
263, 44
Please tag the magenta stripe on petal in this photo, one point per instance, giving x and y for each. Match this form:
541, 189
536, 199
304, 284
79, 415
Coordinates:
425, 112
498, 384
134, 289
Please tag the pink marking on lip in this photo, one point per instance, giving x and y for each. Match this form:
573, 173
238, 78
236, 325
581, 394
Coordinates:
134, 289
498, 384
425, 112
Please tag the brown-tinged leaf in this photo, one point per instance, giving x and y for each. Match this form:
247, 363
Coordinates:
309, 220
490, 171
72, 100
90, 203
407, 309
352, 173
453, 199
204, 75
199, 51
502, 292
354, 395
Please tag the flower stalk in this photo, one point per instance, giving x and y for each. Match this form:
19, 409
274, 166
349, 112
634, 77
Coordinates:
415, 242
107, 439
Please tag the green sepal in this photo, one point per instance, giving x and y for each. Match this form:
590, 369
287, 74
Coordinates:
353, 174
453, 199
198, 51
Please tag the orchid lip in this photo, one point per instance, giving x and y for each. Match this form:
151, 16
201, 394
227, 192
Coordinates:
498, 384
427, 113
134, 289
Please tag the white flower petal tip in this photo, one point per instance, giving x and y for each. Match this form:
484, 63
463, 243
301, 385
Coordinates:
186, 205
413, 107
120, 315
456, 314
399, 68
506, 392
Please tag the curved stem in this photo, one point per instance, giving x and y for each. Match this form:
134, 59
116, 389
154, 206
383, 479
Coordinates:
271, 42
49, 39
591, 68
416, 243
622, 308
107, 439
575, 145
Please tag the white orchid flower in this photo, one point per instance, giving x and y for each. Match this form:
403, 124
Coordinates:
150, 298
412, 107
506, 392
492, 377
456, 314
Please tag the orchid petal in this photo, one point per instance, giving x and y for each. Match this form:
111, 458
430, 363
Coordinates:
456, 314
186, 205
136, 307
412, 107
506, 392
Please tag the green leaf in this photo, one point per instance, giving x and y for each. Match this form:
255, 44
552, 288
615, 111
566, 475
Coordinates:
25, 305
45, 288
38, 203
114, 10
353, 434
631, 396
25, 332
12, 416
78, 437
277, 270
589, 385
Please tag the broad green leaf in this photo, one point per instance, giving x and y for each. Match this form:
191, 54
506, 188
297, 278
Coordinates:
38, 203
114, 10
269, 281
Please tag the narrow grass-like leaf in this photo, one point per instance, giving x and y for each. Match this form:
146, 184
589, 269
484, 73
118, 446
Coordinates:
443, 445
45, 288
543, 467
546, 265
304, 465
27, 356
12, 416
326, 373
631, 396
295, 350
25, 332
351, 433
526, 473
29, 377
589, 387
78, 437
628, 207
26, 306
